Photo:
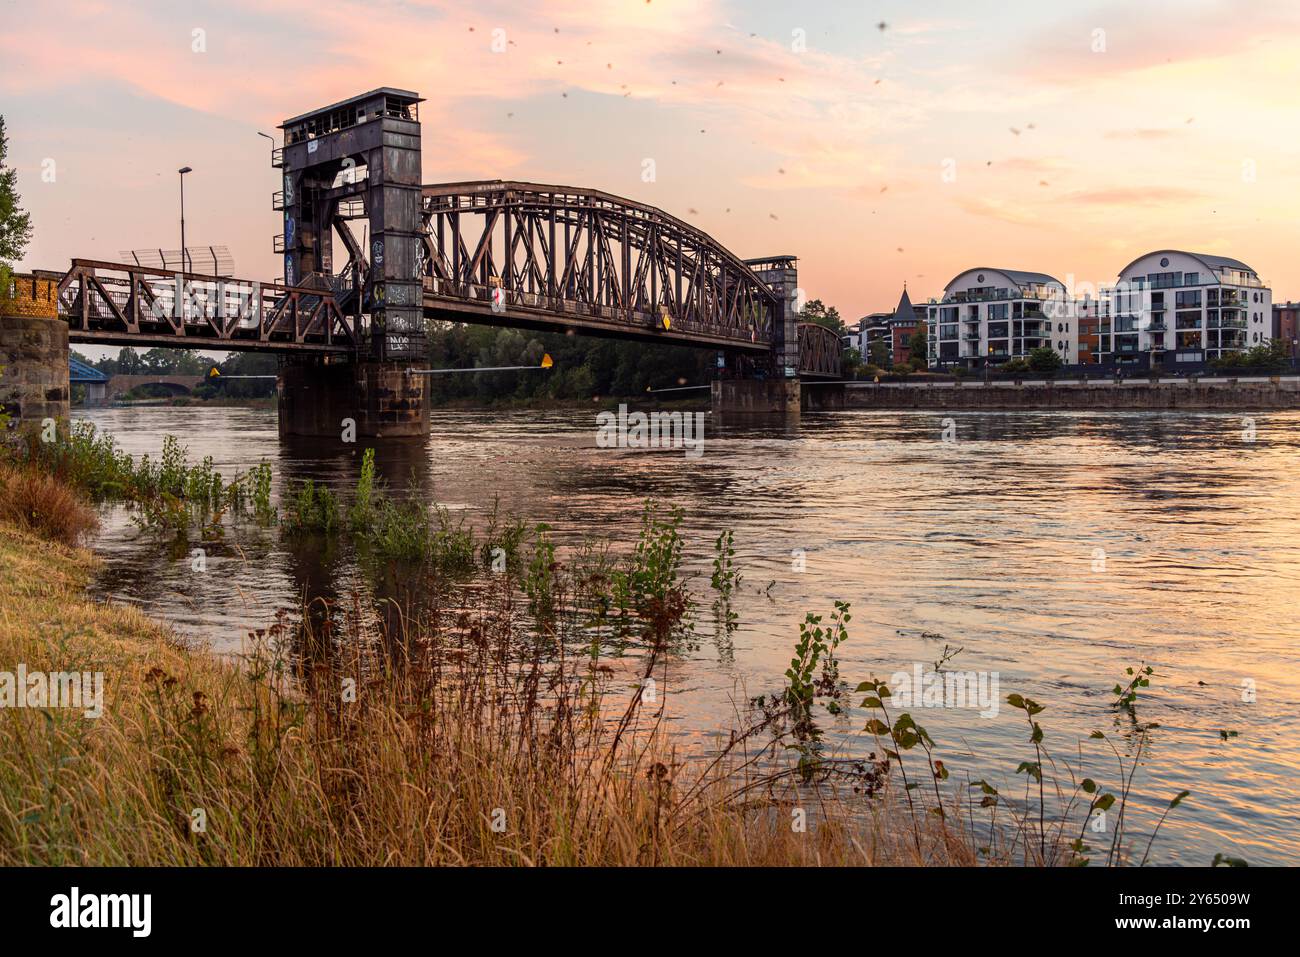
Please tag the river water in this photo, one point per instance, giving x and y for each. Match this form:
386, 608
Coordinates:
1054, 549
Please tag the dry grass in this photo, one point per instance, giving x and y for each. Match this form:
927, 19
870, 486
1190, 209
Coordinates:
33, 499
459, 751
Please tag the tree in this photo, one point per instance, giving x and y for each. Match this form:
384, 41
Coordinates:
815, 310
15, 223
919, 346
128, 362
879, 354
169, 361
584, 367
1044, 359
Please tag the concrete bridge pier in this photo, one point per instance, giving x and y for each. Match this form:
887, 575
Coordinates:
96, 395
33, 353
318, 394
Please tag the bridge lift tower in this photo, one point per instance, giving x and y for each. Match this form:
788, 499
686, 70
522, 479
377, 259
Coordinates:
358, 159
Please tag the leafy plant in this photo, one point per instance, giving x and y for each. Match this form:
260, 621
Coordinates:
311, 508
1126, 695
261, 481
363, 506
539, 581
725, 579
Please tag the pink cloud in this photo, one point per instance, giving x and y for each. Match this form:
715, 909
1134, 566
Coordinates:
1133, 196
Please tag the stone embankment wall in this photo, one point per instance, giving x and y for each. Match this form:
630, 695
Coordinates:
1127, 394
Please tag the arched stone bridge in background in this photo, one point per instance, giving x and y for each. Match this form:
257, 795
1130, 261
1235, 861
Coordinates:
507, 253
173, 384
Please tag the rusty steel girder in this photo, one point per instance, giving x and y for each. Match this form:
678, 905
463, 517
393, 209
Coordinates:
820, 352
565, 258
117, 303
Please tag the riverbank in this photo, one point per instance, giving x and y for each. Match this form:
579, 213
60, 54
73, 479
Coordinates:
197, 759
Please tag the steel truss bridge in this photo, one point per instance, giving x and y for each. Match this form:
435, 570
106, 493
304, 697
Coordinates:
502, 253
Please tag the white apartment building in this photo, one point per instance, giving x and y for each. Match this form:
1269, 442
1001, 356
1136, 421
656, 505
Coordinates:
987, 316
1186, 307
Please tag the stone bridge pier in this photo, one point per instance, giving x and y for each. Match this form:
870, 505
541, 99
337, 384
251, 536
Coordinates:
319, 396
33, 353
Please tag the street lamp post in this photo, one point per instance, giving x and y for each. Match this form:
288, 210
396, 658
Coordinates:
267, 136
184, 255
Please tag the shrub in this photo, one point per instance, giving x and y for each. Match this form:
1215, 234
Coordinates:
1044, 359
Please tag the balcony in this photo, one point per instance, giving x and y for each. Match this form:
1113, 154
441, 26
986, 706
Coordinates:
277, 244
277, 199
277, 158
351, 208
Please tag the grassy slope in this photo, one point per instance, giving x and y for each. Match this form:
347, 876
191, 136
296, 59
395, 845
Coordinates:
65, 788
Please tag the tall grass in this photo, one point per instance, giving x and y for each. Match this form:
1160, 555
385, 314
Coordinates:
34, 500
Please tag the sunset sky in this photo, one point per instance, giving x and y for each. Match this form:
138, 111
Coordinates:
1079, 139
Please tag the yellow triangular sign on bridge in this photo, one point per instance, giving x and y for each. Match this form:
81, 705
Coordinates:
215, 372
547, 361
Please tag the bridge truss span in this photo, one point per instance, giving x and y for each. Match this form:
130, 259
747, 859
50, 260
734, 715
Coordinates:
122, 304
820, 351
576, 259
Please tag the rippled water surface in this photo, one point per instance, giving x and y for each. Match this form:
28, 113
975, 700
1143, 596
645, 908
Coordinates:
1053, 549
